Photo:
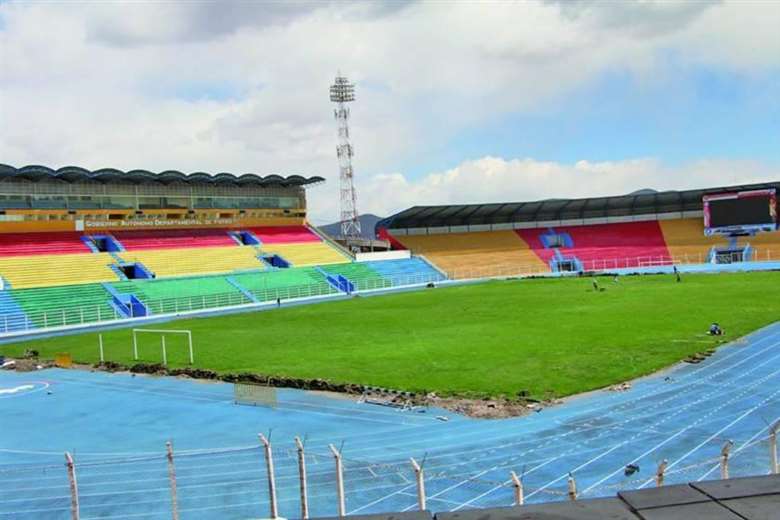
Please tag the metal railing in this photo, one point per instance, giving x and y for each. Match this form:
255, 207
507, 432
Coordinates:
605, 265
75, 315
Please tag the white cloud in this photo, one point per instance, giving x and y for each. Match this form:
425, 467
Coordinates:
236, 86
494, 179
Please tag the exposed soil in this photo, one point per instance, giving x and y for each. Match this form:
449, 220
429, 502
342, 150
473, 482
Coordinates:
477, 408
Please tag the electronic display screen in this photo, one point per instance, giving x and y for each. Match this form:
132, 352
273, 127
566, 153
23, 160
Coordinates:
741, 211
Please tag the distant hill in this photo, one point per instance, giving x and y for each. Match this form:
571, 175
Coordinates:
367, 223
646, 191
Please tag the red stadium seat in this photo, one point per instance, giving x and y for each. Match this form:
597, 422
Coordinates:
284, 234
173, 239
16, 244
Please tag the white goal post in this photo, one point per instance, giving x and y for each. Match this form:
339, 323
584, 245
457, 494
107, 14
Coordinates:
162, 332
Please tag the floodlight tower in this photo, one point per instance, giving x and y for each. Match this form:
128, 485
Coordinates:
341, 93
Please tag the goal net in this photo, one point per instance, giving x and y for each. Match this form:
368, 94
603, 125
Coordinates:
253, 394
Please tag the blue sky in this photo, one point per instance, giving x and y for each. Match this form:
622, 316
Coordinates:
699, 113
456, 102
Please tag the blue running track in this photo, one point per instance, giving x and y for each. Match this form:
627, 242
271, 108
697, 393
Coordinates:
116, 427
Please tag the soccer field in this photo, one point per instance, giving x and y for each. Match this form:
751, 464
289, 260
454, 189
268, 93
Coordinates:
549, 337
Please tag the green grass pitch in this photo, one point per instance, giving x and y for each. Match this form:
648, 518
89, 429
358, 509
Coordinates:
551, 337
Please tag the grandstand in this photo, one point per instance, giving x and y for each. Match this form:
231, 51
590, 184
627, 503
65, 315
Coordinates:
79, 246
642, 231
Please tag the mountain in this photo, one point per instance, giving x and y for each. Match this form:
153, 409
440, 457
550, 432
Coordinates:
367, 223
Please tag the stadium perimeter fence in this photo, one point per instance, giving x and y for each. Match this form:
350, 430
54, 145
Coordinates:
259, 481
756, 257
75, 315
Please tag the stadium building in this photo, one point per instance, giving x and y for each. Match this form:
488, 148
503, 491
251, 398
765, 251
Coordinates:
79, 247
642, 232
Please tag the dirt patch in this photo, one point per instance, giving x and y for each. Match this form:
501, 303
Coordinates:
477, 408
488, 409
29, 364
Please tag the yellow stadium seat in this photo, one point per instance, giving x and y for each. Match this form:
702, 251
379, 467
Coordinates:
50, 270
306, 253
483, 253
765, 246
196, 260
686, 241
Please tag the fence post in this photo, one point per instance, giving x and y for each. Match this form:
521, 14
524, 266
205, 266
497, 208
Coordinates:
773, 468
302, 476
269, 463
100, 342
660, 473
518, 485
420, 476
74, 487
172, 478
724, 460
339, 480
572, 487
164, 353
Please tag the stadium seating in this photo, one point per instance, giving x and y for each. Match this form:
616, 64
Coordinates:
179, 294
173, 239
464, 255
267, 286
628, 244
765, 246
411, 270
64, 305
12, 316
686, 241
193, 261
284, 234
305, 253
16, 244
54, 270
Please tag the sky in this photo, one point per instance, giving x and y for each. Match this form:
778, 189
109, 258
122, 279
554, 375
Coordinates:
457, 102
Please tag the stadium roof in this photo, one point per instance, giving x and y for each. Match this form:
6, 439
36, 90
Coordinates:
640, 203
73, 174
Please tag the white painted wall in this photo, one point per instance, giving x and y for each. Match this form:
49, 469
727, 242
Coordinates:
383, 255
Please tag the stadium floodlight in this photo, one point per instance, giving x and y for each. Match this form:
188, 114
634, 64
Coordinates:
341, 92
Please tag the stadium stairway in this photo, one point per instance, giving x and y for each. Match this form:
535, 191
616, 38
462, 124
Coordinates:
24, 272
482, 253
18, 244
359, 274
194, 261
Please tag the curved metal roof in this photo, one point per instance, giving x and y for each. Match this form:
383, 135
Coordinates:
74, 174
558, 209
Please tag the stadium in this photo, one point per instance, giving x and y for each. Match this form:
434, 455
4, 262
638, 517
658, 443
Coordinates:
545, 287
187, 344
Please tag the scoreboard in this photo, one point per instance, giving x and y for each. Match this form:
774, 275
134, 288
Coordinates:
744, 212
